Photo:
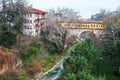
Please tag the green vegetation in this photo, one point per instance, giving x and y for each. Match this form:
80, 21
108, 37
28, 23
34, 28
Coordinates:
14, 75
39, 54
7, 37
88, 66
82, 57
105, 68
50, 61
37, 58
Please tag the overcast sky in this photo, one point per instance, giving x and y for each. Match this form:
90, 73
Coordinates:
85, 7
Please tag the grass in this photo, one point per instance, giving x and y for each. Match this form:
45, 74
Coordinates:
20, 78
66, 49
105, 69
50, 61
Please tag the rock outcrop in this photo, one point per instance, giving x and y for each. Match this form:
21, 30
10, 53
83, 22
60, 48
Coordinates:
8, 60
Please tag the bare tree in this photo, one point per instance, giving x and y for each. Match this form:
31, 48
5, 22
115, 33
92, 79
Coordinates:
61, 14
57, 34
65, 14
113, 25
110, 35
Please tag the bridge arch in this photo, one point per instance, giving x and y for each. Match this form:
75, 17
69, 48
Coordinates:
80, 32
87, 35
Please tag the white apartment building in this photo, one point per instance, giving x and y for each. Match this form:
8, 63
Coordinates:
35, 19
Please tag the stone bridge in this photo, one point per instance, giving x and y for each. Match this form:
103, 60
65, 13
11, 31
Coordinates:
84, 28
81, 32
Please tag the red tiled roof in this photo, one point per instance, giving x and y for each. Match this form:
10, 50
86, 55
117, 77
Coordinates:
90, 21
36, 11
83, 21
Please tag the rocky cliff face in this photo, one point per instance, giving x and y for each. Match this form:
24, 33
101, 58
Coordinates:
8, 60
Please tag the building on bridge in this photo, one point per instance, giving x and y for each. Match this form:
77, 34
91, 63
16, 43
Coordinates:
80, 28
83, 25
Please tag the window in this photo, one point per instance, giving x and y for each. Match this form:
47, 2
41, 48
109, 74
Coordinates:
36, 25
30, 27
37, 15
30, 15
43, 14
97, 25
27, 21
88, 26
27, 15
91, 25
81, 26
30, 21
25, 27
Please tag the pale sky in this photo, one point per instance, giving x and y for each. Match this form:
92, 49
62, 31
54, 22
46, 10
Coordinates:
85, 7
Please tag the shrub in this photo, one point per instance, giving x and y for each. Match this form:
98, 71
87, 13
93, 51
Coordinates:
117, 73
35, 43
70, 76
25, 54
118, 48
81, 58
32, 51
52, 50
9, 75
66, 49
102, 77
2, 77
84, 76
7, 38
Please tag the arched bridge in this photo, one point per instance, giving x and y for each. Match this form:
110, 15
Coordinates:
81, 28
80, 32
